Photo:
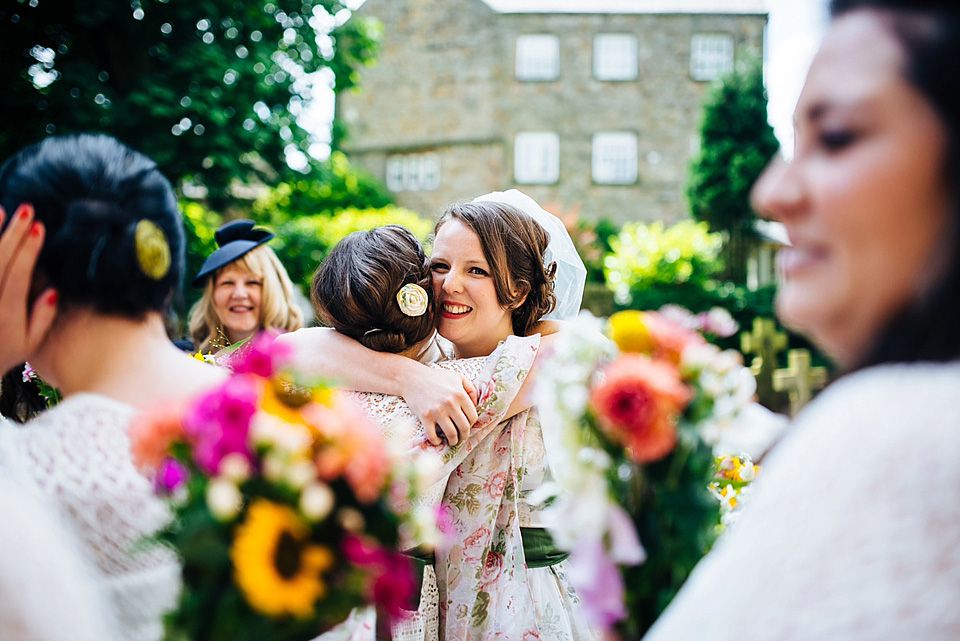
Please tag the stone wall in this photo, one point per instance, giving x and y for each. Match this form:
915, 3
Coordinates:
444, 83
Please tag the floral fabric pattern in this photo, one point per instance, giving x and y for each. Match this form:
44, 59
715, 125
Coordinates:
486, 591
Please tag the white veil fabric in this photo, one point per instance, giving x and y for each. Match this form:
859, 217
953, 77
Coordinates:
571, 274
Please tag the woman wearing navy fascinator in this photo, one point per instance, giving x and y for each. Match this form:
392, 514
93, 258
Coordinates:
246, 289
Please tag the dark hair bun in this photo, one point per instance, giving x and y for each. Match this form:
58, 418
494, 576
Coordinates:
90, 191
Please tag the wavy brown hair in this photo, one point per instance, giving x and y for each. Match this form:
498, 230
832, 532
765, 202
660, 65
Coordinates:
513, 244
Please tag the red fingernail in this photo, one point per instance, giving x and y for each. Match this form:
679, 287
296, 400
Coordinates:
52, 298
24, 211
35, 228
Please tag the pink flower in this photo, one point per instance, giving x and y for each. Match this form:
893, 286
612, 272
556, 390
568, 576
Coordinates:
669, 338
492, 568
262, 355
598, 583
496, 483
638, 403
170, 476
718, 322
219, 422
476, 544
393, 582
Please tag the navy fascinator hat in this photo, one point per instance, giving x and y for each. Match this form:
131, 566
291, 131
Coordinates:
235, 239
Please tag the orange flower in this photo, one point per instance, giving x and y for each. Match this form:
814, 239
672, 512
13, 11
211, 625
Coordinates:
349, 445
638, 403
151, 434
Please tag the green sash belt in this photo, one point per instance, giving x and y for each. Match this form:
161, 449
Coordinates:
539, 550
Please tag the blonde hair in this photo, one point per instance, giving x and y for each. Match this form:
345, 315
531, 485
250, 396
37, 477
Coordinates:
278, 308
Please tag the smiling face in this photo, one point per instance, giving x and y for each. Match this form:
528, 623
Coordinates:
236, 301
864, 199
471, 316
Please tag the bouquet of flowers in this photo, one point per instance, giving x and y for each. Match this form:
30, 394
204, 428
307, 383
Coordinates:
289, 508
635, 426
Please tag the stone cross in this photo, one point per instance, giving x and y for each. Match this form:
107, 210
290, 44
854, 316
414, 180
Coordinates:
799, 379
766, 342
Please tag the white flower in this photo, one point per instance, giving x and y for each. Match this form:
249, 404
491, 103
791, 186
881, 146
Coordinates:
298, 473
272, 466
235, 467
316, 501
223, 499
351, 520
412, 299
719, 322
267, 429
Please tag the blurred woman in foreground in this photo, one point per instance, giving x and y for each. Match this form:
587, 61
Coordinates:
852, 531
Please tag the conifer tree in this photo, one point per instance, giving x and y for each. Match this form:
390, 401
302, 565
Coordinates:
736, 142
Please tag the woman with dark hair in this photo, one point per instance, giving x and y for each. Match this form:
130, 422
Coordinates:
110, 242
492, 284
246, 289
852, 531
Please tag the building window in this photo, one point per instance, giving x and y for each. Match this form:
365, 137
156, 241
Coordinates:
615, 56
413, 172
615, 158
538, 57
711, 55
536, 158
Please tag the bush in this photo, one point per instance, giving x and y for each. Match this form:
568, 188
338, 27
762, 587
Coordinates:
302, 243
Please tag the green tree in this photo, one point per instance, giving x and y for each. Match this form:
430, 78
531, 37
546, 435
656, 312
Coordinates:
736, 142
208, 88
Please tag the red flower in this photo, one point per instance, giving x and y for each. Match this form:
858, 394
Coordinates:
638, 403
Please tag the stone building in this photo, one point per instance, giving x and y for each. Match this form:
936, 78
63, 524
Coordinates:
589, 106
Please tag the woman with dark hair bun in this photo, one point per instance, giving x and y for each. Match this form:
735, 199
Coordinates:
374, 286
90, 320
852, 530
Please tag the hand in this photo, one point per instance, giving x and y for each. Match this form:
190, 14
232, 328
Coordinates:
444, 401
21, 332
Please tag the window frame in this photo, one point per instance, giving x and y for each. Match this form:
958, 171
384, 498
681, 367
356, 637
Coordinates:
526, 145
602, 71
526, 67
603, 155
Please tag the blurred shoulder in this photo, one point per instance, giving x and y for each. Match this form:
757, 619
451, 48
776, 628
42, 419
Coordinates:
888, 410
903, 386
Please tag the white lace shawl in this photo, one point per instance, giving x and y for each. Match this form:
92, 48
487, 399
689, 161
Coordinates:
852, 530
78, 456
47, 591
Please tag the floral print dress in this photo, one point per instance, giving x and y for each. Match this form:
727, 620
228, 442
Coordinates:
485, 589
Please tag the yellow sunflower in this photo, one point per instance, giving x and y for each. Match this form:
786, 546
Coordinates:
276, 568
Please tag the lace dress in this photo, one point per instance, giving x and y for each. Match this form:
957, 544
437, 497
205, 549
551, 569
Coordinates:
852, 530
484, 587
77, 455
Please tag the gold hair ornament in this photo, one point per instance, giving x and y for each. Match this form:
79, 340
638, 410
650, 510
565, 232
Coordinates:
412, 300
153, 251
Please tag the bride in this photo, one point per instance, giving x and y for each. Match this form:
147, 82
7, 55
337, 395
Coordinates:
488, 293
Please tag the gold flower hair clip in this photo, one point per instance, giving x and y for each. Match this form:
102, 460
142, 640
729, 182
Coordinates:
153, 251
412, 300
